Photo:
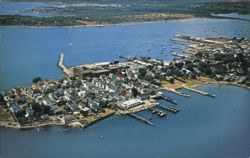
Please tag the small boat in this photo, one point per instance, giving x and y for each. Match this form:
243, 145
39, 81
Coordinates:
163, 114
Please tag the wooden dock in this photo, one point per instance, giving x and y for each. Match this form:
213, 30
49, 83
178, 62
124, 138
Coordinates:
140, 119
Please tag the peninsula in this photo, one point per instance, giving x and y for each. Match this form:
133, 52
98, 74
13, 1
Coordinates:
92, 92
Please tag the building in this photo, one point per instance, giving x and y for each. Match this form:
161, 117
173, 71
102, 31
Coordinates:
130, 103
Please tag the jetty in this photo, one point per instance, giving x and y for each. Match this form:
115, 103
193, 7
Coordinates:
199, 91
140, 119
175, 91
202, 40
61, 65
169, 108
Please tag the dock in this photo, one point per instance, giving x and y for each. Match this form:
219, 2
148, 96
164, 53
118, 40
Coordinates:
61, 65
126, 57
169, 108
140, 119
199, 92
169, 99
179, 55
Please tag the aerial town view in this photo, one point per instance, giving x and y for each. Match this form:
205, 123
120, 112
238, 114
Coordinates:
125, 79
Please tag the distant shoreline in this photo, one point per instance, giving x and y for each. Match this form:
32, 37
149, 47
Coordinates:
70, 14
103, 25
116, 24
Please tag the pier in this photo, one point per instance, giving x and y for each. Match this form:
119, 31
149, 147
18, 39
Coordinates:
179, 55
61, 65
175, 91
140, 119
126, 57
199, 92
170, 109
169, 99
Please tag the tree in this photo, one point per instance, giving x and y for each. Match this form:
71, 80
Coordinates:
135, 92
171, 80
36, 107
208, 71
148, 78
2, 101
142, 72
46, 110
36, 79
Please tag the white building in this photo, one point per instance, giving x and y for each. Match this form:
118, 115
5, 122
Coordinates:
130, 103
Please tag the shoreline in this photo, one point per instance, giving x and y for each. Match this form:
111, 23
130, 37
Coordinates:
202, 82
116, 24
104, 25
113, 112
125, 23
89, 121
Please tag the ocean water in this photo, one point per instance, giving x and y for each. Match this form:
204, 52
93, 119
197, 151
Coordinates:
204, 128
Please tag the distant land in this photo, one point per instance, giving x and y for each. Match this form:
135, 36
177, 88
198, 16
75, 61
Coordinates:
100, 12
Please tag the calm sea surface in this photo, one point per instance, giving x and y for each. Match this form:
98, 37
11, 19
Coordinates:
204, 128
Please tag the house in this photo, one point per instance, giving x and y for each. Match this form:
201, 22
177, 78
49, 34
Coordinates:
29, 112
47, 101
15, 109
93, 104
85, 111
45, 117
81, 93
